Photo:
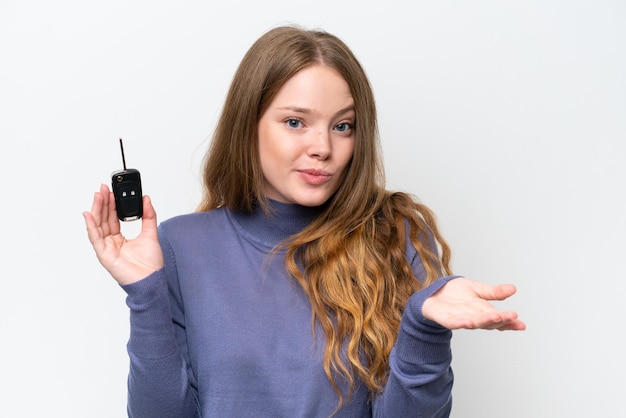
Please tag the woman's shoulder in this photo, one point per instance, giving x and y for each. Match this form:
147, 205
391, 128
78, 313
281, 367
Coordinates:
189, 223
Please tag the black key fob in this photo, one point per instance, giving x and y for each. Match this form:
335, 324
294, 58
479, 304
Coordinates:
126, 185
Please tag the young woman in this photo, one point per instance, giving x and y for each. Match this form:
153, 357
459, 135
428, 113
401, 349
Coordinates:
301, 287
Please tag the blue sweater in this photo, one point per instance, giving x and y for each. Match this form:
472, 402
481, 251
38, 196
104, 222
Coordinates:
222, 331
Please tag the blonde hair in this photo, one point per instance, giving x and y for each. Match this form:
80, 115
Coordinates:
356, 274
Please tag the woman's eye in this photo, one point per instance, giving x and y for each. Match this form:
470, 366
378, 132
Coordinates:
344, 126
294, 123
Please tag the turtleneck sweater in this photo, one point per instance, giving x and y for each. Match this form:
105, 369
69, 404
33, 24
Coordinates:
222, 330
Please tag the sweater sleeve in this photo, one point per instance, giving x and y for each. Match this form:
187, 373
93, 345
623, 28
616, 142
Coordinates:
159, 381
420, 376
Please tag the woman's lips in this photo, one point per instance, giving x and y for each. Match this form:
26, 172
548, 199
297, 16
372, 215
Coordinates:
314, 177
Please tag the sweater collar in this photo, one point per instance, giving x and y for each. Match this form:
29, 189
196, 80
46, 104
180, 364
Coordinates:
283, 221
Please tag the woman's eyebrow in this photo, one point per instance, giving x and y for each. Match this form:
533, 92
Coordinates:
306, 110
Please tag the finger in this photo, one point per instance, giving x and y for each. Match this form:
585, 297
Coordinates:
494, 292
103, 215
113, 220
501, 321
110, 223
149, 219
503, 291
512, 326
515, 325
148, 209
508, 325
94, 233
96, 208
93, 219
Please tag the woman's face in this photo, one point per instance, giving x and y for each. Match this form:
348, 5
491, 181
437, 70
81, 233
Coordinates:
306, 137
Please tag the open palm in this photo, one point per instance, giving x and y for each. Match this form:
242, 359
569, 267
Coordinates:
127, 260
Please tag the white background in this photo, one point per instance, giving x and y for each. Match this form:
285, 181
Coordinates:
507, 118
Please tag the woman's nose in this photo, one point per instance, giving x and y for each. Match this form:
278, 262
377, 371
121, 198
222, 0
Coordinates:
320, 146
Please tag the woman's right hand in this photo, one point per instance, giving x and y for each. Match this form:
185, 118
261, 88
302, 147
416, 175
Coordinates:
128, 261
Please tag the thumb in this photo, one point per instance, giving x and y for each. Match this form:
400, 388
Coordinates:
149, 218
496, 292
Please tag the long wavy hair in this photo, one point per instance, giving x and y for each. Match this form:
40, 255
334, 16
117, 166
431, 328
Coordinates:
355, 273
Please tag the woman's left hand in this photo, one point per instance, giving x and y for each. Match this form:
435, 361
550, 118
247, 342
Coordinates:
465, 304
